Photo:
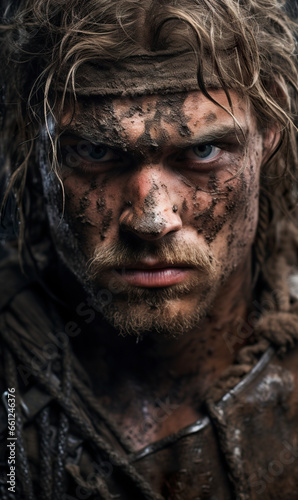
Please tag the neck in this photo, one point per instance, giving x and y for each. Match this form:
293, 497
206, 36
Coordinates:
159, 381
203, 352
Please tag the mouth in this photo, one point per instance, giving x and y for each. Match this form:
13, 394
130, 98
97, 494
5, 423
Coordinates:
154, 275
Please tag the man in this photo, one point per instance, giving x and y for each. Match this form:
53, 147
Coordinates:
149, 322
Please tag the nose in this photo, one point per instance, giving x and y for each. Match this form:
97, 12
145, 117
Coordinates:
151, 205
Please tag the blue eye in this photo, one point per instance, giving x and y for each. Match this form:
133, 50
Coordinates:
93, 152
84, 153
97, 152
205, 151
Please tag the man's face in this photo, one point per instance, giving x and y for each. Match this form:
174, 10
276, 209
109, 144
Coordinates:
161, 204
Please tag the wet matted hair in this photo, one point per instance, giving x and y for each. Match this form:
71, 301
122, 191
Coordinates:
248, 45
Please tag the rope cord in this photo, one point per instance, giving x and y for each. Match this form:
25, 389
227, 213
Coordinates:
85, 428
45, 483
63, 428
86, 394
97, 486
85, 391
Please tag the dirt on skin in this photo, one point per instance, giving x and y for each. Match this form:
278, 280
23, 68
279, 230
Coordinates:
95, 204
211, 206
210, 224
168, 110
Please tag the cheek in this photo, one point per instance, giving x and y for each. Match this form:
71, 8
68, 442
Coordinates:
229, 212
89, 209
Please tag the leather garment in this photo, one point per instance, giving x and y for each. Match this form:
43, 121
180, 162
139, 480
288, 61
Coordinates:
251, 433
258, 429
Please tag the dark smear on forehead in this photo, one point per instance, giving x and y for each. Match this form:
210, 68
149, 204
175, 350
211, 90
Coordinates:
167, 109
97, 117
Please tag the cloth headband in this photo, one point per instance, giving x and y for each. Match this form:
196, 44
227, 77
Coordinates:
140, 74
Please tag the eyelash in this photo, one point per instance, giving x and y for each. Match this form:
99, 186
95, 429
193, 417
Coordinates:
78, 155
189, 152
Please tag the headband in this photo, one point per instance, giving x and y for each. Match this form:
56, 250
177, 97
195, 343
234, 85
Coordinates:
140, 74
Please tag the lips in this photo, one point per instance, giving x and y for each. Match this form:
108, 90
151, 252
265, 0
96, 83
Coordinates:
155, 275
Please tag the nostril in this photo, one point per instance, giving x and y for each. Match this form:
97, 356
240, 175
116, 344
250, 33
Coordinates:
126, 219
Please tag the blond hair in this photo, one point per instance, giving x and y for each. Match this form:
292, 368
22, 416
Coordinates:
44, 41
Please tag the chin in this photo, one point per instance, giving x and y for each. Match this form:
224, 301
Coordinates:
169, 311
166, 319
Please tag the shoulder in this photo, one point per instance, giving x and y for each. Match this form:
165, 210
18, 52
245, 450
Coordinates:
260, 415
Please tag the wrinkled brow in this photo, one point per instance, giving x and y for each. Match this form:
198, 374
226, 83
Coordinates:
208, 134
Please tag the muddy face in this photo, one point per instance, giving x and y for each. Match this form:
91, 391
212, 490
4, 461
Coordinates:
161, 196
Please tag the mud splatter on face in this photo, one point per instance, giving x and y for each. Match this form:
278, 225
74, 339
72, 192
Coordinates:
164, 110
184, 205
230, 201
210, 118
172, 170
106, 222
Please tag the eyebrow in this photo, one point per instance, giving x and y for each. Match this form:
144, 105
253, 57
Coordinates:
218, 133
91, 134
212, 134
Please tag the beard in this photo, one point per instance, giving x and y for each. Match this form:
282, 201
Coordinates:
171, 310
153, 315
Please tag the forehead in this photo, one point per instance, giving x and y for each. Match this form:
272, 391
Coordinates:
183, 111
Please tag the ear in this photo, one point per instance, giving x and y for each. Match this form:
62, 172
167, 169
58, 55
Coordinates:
271, 141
